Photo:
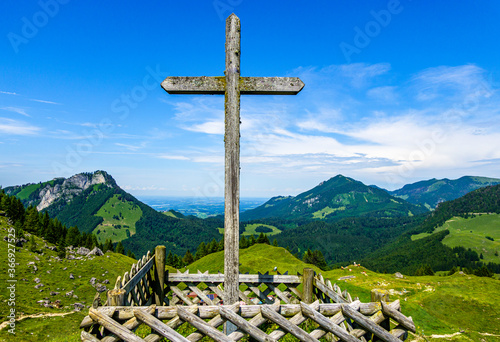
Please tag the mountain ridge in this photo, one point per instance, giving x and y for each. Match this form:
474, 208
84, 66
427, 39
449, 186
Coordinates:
335, 198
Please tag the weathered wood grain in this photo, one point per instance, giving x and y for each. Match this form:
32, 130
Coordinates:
159, 326
398, 317
201, 325
368, 324
327, 324
113, 326
242, 324
287, 325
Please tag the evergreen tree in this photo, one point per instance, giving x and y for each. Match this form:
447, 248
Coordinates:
201, 251
119, 247
108, 246
261, 238
31, 223
72, 236
130, 254
212, 247
32, 245
188, 258
251, 241
170, 259
220, 247
243, 242
275, 243
61, 248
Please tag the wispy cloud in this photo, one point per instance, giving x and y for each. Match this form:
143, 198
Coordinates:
133, 147
15, 127
172, 157
44, 101
8, 93
17, 110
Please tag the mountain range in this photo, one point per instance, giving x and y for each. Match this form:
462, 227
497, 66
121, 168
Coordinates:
94, 203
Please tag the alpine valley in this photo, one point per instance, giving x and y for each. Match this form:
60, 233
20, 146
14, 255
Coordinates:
341, 218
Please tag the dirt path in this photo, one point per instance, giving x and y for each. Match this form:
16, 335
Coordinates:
38, 315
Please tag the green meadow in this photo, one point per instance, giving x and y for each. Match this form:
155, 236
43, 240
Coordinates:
119, 222
472, 233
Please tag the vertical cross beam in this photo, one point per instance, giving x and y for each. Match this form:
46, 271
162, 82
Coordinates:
232, 161
232, 86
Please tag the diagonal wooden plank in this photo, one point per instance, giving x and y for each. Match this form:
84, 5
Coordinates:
159, 326
279, 293
368, 324
86, 337
201, 325
286, 324
256, 321
113, 326
398, 317
181, 295
337, 298
242, 324
327, 324
130, 324
214, 322
200, 294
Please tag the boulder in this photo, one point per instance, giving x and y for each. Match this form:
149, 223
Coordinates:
100, 287
96, 251
398, 275
92, 281
37, 280
38, 286
71, 276
78, 306
83, 251
69, 294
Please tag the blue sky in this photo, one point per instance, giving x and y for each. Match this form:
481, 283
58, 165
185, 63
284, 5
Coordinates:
396, 92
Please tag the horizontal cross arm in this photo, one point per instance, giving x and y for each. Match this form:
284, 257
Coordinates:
248, 85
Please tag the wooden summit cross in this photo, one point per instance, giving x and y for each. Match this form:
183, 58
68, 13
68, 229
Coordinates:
232, 86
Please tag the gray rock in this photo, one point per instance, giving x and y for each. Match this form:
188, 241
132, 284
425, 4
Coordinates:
35, 268
52, 248
37, 280
106, 281
78, 306
31, 263
64, 269
37, 258
92, 281
83, 251
96, 251
38, 286
70, 293
54, 293
398, 275
71, 276
70, 257
100, 287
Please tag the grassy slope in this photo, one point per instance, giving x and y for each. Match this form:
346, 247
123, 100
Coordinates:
128, 214
471, 233
250, 229
57, 328
438, 305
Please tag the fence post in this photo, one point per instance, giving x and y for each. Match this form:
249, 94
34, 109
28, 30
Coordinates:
307, 286
380, 295
116, 297
160, 252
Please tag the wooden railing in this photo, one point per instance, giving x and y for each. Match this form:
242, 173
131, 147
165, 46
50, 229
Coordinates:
147, 295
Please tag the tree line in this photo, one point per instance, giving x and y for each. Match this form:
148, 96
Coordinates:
30, 220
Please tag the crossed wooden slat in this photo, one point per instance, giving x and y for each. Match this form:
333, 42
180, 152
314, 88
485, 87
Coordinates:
331, 318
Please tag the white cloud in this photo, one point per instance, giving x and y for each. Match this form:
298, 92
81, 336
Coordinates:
44, 101
15, 127
8, 93
172, 157
16, 110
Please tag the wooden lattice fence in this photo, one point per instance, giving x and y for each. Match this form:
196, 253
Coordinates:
150, 296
